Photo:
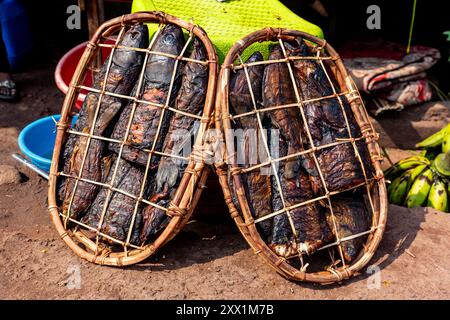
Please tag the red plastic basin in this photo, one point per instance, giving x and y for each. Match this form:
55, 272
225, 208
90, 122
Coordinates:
66, 68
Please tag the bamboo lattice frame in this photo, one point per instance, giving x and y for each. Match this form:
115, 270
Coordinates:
190, 187
374, 186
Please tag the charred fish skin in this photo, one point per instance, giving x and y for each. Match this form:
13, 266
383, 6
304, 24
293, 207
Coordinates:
190, 99
124, 71
156, 83
326, 123
154, 220
308, 220
120, 208
279, 240
240, 97
79, 200
278, 90
351, 217
257, 185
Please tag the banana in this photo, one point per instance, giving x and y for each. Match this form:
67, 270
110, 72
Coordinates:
393, 185
448, 195
446, 141
442, 164
404, 165
420, 188
437, 197
415, 173
398, 189
434, 140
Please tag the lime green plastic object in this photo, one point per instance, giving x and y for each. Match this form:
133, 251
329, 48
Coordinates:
226, 22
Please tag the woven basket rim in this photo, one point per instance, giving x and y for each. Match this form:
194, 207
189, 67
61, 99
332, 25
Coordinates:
246, 225
194, 178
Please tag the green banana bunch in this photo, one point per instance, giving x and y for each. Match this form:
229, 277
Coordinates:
423, 180
438, 198
420, 188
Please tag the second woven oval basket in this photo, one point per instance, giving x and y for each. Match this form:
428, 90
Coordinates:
301, 166
123, 180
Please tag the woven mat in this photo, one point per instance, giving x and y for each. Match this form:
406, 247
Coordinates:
226, 22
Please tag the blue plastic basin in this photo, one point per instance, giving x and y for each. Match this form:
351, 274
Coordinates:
37, 140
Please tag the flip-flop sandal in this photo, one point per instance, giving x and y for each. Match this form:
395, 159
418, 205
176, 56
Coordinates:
8, 90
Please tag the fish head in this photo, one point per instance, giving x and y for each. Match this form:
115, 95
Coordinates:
159, 68
296, 47
256, 73
135, 37
170, 40
240, 96
172, 35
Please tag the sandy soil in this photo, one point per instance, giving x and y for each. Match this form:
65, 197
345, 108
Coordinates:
209, 259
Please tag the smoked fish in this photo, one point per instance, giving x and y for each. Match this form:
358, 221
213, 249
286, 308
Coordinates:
124, 70
120, 207
155, 88
326, 122
308, 220
351, 218
256, 183
190, 99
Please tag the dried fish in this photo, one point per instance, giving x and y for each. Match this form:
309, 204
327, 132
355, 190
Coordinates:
351, 217
155, 219
190, 99
326, 122
155, 89
256, 183
278, 91
308, 220
124, 70
76, 203
279, 240
120, 207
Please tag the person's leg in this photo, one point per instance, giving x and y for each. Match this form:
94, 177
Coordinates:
7, 86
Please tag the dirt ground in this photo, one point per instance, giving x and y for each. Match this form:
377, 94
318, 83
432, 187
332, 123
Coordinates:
207, 260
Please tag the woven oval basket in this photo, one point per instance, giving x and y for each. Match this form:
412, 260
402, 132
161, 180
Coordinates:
92, 242
328, 261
